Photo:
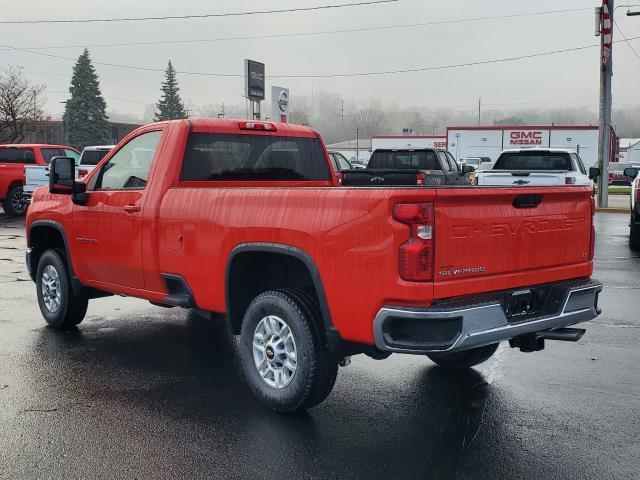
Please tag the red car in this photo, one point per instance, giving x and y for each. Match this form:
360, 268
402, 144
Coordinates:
246, 218
13, 159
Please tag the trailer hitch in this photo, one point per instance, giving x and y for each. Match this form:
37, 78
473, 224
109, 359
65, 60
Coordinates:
534, 342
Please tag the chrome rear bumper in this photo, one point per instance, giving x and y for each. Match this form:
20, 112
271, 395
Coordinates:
481, 320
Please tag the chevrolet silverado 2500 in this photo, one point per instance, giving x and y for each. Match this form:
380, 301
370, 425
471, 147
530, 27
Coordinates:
246, 218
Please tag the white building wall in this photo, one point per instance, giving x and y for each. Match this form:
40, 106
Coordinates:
490, 142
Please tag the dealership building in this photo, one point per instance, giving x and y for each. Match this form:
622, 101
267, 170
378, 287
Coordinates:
489, 141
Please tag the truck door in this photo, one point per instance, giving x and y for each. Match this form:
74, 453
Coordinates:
108, 229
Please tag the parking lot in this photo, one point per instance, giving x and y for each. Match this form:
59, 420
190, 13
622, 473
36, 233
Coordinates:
139, 391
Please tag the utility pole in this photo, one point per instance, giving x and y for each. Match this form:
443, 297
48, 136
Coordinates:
222, 114
479, 111
604, 18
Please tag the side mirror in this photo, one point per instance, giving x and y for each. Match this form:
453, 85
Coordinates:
594, 173
468, 169
62, 175
631, 172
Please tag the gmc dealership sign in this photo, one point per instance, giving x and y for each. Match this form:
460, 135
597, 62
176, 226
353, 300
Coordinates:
525, 138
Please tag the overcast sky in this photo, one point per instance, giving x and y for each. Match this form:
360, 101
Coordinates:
565, 79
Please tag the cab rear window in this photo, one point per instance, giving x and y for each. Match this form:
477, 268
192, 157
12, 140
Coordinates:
423, 160
533, 161
211, 156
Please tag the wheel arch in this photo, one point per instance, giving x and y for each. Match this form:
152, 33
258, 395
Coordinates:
44, 235
296, 264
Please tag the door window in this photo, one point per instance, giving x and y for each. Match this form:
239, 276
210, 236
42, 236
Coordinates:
129, 168
445, 163
49, 153
452, 161
17, 155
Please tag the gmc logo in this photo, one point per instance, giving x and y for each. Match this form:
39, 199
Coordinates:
526, 138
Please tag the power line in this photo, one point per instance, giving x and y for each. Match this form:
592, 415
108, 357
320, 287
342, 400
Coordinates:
304, 34
206, 15
626, 39
335, 75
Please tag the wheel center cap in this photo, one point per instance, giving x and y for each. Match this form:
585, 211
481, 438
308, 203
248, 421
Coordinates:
269, 352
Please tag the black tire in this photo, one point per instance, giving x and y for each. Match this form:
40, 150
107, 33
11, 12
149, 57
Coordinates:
13, 205
316, 369
634, 236
72, 308
465, 358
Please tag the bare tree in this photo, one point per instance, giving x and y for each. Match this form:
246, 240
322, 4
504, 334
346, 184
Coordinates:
370, 121
21, 105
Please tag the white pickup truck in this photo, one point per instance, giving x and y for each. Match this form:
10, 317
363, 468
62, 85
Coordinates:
37, 175
537, 167
634, 222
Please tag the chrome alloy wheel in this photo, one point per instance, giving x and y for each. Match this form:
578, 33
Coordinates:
274, 351
51, 294
17, 202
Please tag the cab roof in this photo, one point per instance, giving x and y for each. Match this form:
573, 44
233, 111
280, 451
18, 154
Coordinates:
233, 126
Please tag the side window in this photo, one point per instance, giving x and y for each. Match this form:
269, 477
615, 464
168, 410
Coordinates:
49, 153
129, 167
343, 163
72, 154
17, 155
445, 162
452, 161
579, 163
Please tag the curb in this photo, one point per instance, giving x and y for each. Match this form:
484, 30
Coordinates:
613, 210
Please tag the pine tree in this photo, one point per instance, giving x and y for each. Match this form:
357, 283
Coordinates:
170, 105
85, 116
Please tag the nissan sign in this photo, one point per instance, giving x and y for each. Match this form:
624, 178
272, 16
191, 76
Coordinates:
280, 104
254, 80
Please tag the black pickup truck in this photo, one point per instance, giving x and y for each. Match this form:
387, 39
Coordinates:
438, 166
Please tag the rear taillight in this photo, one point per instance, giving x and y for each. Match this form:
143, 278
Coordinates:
570, 181
415, 260
474, 181
420, 179
339, 177
82, 173
592, 242
638, 191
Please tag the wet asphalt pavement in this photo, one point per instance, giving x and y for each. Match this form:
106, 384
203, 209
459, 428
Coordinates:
144, 392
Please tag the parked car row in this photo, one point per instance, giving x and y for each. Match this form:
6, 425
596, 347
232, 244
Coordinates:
25, 167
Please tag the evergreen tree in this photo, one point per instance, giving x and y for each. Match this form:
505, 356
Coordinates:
85, 117
170, 105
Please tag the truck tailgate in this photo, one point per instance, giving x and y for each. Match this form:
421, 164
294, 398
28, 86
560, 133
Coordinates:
35, 176
492, 238
509, 178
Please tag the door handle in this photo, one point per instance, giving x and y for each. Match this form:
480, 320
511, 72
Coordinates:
131, 208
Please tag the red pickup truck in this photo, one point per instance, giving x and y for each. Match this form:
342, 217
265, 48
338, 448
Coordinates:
13, 159
246, 218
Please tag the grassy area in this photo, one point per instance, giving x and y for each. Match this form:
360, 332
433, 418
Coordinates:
618, 190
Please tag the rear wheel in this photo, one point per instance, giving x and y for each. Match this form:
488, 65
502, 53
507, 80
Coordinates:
465, 358
285, 358
58, 304
14, 205
634, 236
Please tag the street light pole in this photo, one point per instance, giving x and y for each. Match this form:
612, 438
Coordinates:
606, 74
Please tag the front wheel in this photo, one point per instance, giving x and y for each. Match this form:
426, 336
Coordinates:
14, 205
465, 358
59, 306
285, 358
